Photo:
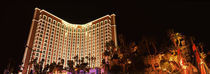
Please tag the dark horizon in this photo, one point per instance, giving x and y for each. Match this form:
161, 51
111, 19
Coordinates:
134, 19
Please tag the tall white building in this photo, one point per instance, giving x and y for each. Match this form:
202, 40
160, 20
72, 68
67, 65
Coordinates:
57, 39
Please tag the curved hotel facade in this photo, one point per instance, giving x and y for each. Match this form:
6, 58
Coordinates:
52, 39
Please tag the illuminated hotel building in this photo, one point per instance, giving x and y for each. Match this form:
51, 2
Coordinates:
57, 39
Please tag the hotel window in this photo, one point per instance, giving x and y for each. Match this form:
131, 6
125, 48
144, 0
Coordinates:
82, 30
37, 54
66, 28
93, 26
45, 40
42, 25
43, 51
46, 37
54, 21
97, 24
40, 16
105, 26
74, 30
105, 21
39, 27
39, 42
58, 24
49, 20
38, 46
78, 31
109, 20
70, 29
101, 22
90, 28
48, 58
62, 25
44, 17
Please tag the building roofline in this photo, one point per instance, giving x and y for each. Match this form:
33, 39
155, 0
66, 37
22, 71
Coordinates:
72, 23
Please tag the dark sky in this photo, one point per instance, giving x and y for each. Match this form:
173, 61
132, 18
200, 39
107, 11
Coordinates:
133, 19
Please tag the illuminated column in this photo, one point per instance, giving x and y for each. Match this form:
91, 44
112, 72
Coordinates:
114, 33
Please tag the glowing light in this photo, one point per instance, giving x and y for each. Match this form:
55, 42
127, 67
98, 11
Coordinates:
92, 71
129, 62
85, 33
75, 69
20, 73
66, 34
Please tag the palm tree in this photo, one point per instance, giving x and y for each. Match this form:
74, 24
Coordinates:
93, 60
62, 63
86, 57
83, 65
82, 59
147, 45
121, 40
36, 67
76, 59
70, 64
59, 66
110, 45
33, 62
40, 65
175, 37
52, 67
45, 69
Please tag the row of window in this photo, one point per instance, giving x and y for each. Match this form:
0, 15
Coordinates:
58, 24
62, 35
45, 41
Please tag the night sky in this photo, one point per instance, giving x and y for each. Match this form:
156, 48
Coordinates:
133, 19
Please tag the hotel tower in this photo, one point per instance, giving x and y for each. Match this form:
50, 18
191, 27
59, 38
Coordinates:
51, 38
